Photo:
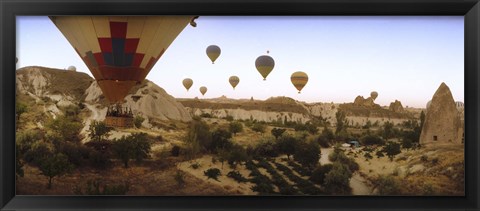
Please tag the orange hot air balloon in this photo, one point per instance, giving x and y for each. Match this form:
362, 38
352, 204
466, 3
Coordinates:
203, 90
119, 51
234, 80
299, 79
187, 83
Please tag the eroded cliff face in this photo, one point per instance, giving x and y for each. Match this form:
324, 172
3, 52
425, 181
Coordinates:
442, 121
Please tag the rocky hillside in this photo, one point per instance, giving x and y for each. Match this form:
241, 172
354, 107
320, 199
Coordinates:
47, 90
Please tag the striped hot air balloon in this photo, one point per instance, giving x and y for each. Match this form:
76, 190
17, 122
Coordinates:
119, 51
299, 79
203, 90
234, 80
187, 83
264, 65
213, 52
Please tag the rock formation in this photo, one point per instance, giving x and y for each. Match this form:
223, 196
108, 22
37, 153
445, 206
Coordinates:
442, 122
360, 101
396, 107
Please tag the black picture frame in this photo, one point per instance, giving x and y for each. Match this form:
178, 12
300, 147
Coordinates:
9, 9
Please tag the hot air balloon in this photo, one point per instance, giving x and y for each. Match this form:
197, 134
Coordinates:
264, 65
374, 95
72, 68
203, 90
299, 79
119, 51
187, 83
234, 80
213, 52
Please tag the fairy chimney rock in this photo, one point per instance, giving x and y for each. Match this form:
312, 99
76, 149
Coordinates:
442, 123
396, 107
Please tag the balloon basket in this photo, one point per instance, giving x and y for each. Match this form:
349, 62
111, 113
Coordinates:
119, 117
119, 122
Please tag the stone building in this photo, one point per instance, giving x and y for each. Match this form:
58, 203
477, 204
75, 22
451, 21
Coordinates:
443, 124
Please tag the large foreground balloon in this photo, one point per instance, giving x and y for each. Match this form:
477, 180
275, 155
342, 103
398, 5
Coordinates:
187, 83
299, 79
213, 52
234, 80
374, 95
203, 90
119, 51
264, 65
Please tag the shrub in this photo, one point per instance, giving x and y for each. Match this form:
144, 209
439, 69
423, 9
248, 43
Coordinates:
96, 187
206, 115
392, 149
387, 185
98, 130
212, 173
318, 175
277, 132
369, 140
337, 180
237, 176
195, 165
229, 118
180, 178
236, 155
220, 140
138, 120
259, 127
266, 148
175, 151
199, 132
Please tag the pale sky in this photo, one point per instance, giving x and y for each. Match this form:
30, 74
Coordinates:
402, 58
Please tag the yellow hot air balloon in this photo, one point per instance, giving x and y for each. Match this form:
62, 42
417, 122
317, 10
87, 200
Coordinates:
234, 80
119, 51
213, 52
264, 65
187, 83
374, 95
299, 79
203, 90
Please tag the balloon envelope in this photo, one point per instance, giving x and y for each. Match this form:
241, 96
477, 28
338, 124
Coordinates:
299, 79
213, 52
187, 83
374, 95
203, 90
119, 51
234, 80
264, 65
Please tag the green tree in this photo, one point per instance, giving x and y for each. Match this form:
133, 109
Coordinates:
138, 120
64, 128
277, 132
55, 165
371, 140
220, 140
236, 155
212, 173
135, 146
98, 130
388, 131
287, 144
307, 154
341, 122
235, 127
318, 175
199, 135
337, 180
387, 185
392, 149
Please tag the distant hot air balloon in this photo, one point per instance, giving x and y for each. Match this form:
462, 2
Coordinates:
264, 65
187, 83
72, 68
213, 52
203, 90
234, 80
374, 95
299, 79
119, 51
